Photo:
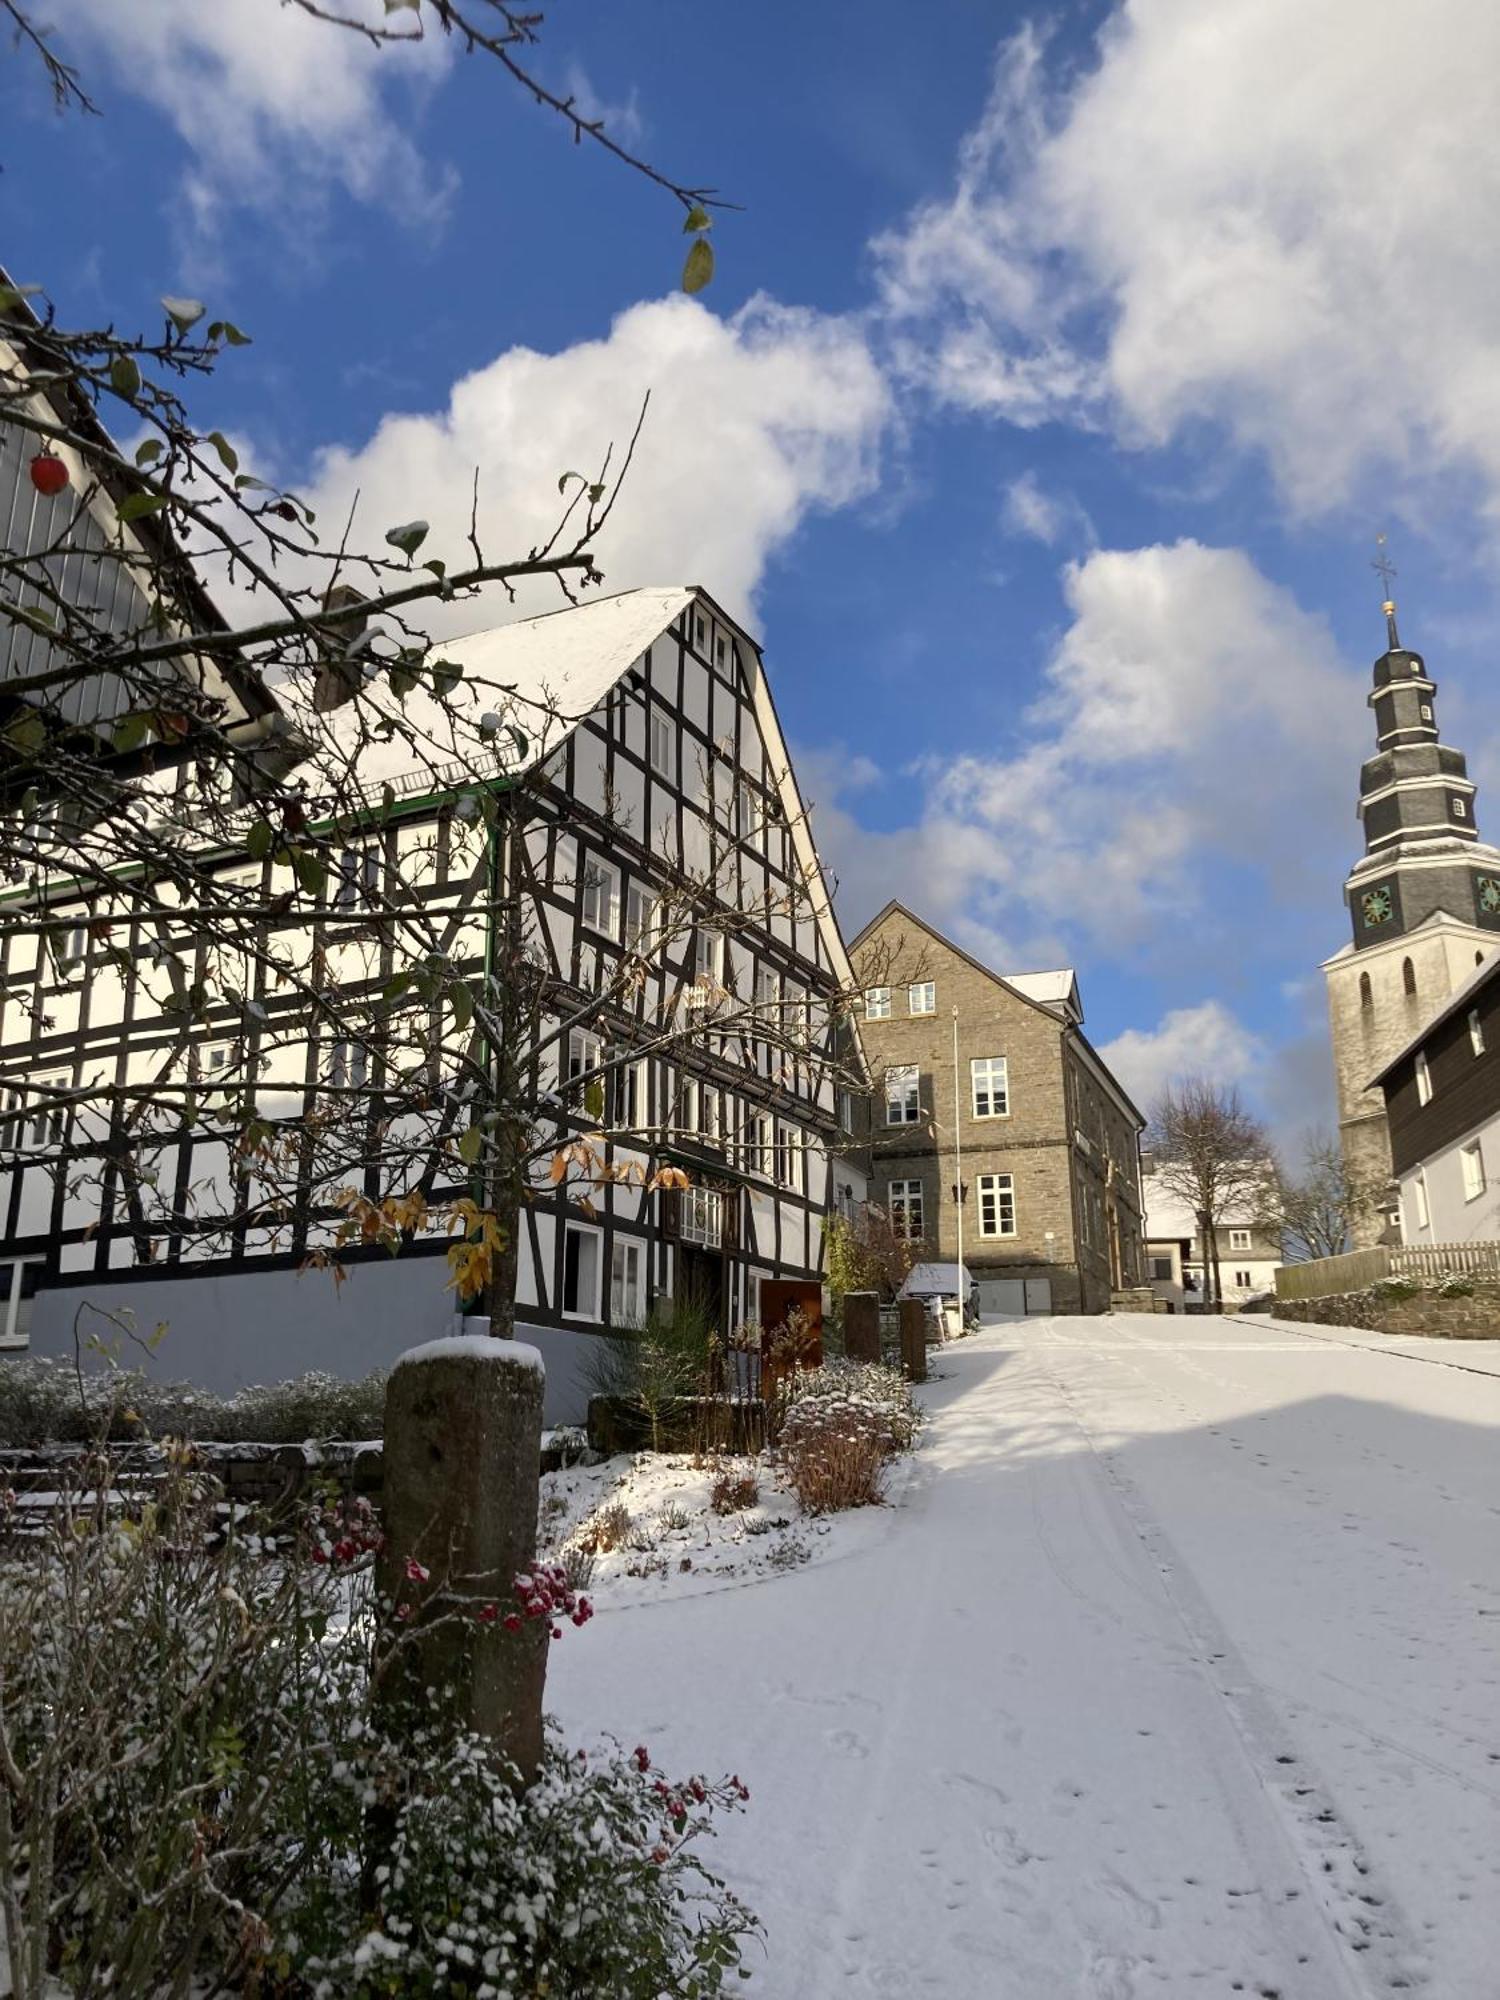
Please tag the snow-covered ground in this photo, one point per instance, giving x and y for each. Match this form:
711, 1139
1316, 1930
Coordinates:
1175, 1670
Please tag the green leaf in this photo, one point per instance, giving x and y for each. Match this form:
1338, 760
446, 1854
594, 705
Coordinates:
229, 458
470, 1145
183, 313
387, 800
247, 484
446, 675
521, 740
439, 569
401, 680
395, 986
124, 376
699, 268
260, 840
408, 537
462, 1002
698, 217
130, 733
148, 451
311, 872
227, 330
593, 1098
26, 733
562, 484
136, 505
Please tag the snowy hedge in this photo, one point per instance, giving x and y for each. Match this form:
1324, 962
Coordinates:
42, 1402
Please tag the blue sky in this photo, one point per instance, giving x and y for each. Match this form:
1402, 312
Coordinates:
1058, 374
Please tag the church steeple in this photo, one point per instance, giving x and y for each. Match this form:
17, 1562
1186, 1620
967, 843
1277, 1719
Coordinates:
1416, 805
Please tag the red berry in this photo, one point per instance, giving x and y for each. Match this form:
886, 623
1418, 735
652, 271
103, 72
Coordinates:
48, 474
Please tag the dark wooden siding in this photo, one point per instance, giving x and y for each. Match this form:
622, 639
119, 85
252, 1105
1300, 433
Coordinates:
1465, 1087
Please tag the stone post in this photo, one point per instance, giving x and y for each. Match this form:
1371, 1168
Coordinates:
463, 1423
913, 1339
862, 1326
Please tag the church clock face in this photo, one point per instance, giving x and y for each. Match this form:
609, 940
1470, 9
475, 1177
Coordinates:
1488, 890
1376, 905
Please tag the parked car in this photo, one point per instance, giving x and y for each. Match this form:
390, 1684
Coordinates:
940, 1287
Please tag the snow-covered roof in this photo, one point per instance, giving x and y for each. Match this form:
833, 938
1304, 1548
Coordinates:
925, 1280
539, 677
1057, 989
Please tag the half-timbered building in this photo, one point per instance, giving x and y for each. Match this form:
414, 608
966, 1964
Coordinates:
641, 737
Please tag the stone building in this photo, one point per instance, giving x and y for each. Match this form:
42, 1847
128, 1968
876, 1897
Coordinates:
1177, 1256
1424, 904
1037, 1183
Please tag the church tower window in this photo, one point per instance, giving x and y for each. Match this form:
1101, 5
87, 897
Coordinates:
1366, 995
1408, 975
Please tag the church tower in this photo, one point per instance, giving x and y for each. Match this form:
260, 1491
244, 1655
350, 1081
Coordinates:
1423, 899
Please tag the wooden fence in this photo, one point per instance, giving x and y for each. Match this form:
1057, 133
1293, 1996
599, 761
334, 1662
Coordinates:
1325, 1276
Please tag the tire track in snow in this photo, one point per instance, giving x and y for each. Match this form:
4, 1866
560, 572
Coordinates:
1360, 1945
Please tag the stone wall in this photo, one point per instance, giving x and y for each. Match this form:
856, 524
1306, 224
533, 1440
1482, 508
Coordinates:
1476, 1317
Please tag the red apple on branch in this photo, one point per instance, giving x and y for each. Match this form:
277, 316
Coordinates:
48, 474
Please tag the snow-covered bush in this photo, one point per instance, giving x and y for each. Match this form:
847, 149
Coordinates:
868, 1386
587, 1883
734, 1490
43, 1402
833, 1455
198, 1788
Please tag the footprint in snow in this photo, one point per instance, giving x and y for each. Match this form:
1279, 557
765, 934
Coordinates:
847, 1743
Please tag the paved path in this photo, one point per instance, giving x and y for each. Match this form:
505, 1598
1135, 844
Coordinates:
1175, 1672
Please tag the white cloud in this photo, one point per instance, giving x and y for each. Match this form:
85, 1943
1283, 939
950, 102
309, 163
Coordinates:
754, 422
273, 105
1186, 770
622, 121
1029, 510
1205, 1040
1279, 218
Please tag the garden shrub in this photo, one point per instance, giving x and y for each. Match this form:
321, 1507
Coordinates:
881, 1392
733, 1491
47, 1402
193, 1750
833, 1455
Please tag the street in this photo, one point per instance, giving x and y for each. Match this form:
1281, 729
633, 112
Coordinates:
1172, 1670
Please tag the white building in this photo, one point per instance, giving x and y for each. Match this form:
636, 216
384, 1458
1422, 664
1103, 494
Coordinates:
1249, 1253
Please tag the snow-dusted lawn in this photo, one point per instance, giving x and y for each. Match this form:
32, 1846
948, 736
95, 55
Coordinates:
677, 1545
1173, 1671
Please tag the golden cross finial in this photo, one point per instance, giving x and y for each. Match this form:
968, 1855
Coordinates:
1385, 569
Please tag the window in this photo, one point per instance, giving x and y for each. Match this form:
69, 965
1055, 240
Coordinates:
640, 919
1427, 711
708, 962
358, 876
989, 1086
1242, 1279
41, 1125
601, 897
702, 1216
1161, 1270
585, 1053
905, 1201
903, 1100
348, 1063
1424, 1078
757, 1145
878, 1003
752, 817
213, 1060
1471, 1162
789, 1158
1239, 1239
921, 998
1408, 976
627, 1285
628, 1096
721, 650
1421, 1201
580, 1287
767, 993
19, 1279
997, 1205
661, 742
711, 1117
1476, 1032
687, 1105
1366, 994
1460, 809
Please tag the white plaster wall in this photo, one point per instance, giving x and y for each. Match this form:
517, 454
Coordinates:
1452, 1217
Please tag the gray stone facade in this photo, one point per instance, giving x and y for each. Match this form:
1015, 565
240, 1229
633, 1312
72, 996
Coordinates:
1065, 1148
